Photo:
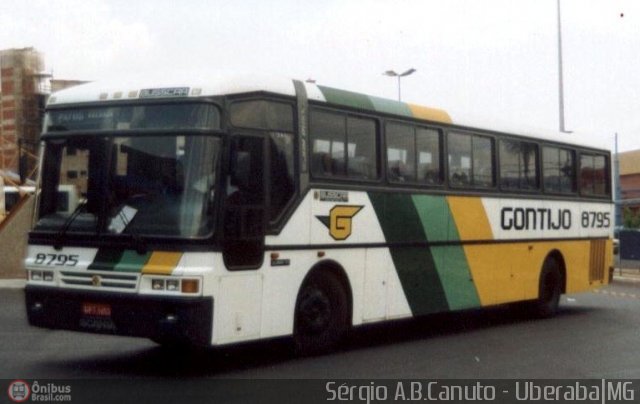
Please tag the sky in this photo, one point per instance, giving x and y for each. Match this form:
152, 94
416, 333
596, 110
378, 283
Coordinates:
485, 61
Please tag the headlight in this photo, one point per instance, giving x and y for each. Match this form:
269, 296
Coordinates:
173, 285
157, 284
41, 276
170, 285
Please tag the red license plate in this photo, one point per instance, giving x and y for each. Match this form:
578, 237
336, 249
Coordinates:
96, 309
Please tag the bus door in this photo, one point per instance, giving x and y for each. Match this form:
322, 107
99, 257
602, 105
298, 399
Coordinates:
244, 213
244, 224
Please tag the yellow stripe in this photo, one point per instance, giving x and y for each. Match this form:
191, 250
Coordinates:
492, 279
162, 263
508, 272
430, 114
470, 217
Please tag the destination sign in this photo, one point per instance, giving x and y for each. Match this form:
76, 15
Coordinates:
164, 92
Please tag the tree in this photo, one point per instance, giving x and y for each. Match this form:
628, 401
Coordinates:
631, 218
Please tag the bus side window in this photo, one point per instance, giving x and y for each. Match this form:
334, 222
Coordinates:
262, 114
471, 160
593, 174
343, 146
401, 158
328, 137
413, 154
428, 156
321, 163
459, 159
281, 180
559, 170
518, 165
362, 155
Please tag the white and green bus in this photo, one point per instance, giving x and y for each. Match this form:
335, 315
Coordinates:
239, 210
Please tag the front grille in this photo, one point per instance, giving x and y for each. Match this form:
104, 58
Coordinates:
596, 260
100, 280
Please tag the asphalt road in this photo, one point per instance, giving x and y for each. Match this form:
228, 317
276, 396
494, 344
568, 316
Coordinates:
595, 335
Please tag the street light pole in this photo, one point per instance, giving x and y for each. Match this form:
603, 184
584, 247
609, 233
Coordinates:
560, 75
392, 73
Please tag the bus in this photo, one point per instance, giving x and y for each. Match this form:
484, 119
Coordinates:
245, 209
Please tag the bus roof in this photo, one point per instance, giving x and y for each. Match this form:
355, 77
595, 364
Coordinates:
227, 85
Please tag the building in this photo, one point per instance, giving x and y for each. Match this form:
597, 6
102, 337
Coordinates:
23, 91
24, 88
630, 180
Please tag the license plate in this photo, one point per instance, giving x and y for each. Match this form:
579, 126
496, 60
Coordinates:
96, 309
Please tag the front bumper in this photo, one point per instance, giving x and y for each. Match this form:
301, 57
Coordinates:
161, 318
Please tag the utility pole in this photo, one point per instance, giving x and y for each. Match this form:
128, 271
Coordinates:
560, 75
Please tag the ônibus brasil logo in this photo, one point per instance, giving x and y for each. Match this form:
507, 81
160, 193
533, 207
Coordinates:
19, 391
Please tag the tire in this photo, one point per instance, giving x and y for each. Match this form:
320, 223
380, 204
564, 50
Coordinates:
550, 289
321, 317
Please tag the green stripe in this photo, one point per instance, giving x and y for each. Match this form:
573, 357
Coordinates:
391, 107
346, 98
416, 268
106, 259
363, 101
451, 262
131, 261
434, 216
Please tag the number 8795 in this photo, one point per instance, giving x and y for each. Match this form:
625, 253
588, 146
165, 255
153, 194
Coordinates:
70, 260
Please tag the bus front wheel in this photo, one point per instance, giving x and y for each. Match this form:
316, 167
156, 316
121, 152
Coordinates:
321, 316
550, 289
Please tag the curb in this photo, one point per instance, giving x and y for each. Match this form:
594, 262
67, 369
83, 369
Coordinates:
623, 278
12, 283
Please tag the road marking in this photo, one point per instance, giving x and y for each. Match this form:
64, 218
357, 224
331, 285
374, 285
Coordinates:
618, 294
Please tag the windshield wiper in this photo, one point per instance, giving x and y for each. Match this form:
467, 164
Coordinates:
67, 224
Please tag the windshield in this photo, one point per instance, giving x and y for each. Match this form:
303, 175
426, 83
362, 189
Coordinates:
140, 185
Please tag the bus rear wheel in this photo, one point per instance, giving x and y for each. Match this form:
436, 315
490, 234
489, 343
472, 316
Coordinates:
321, 316
550, 289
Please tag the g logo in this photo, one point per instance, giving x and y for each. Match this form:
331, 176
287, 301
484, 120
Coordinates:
339, 221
